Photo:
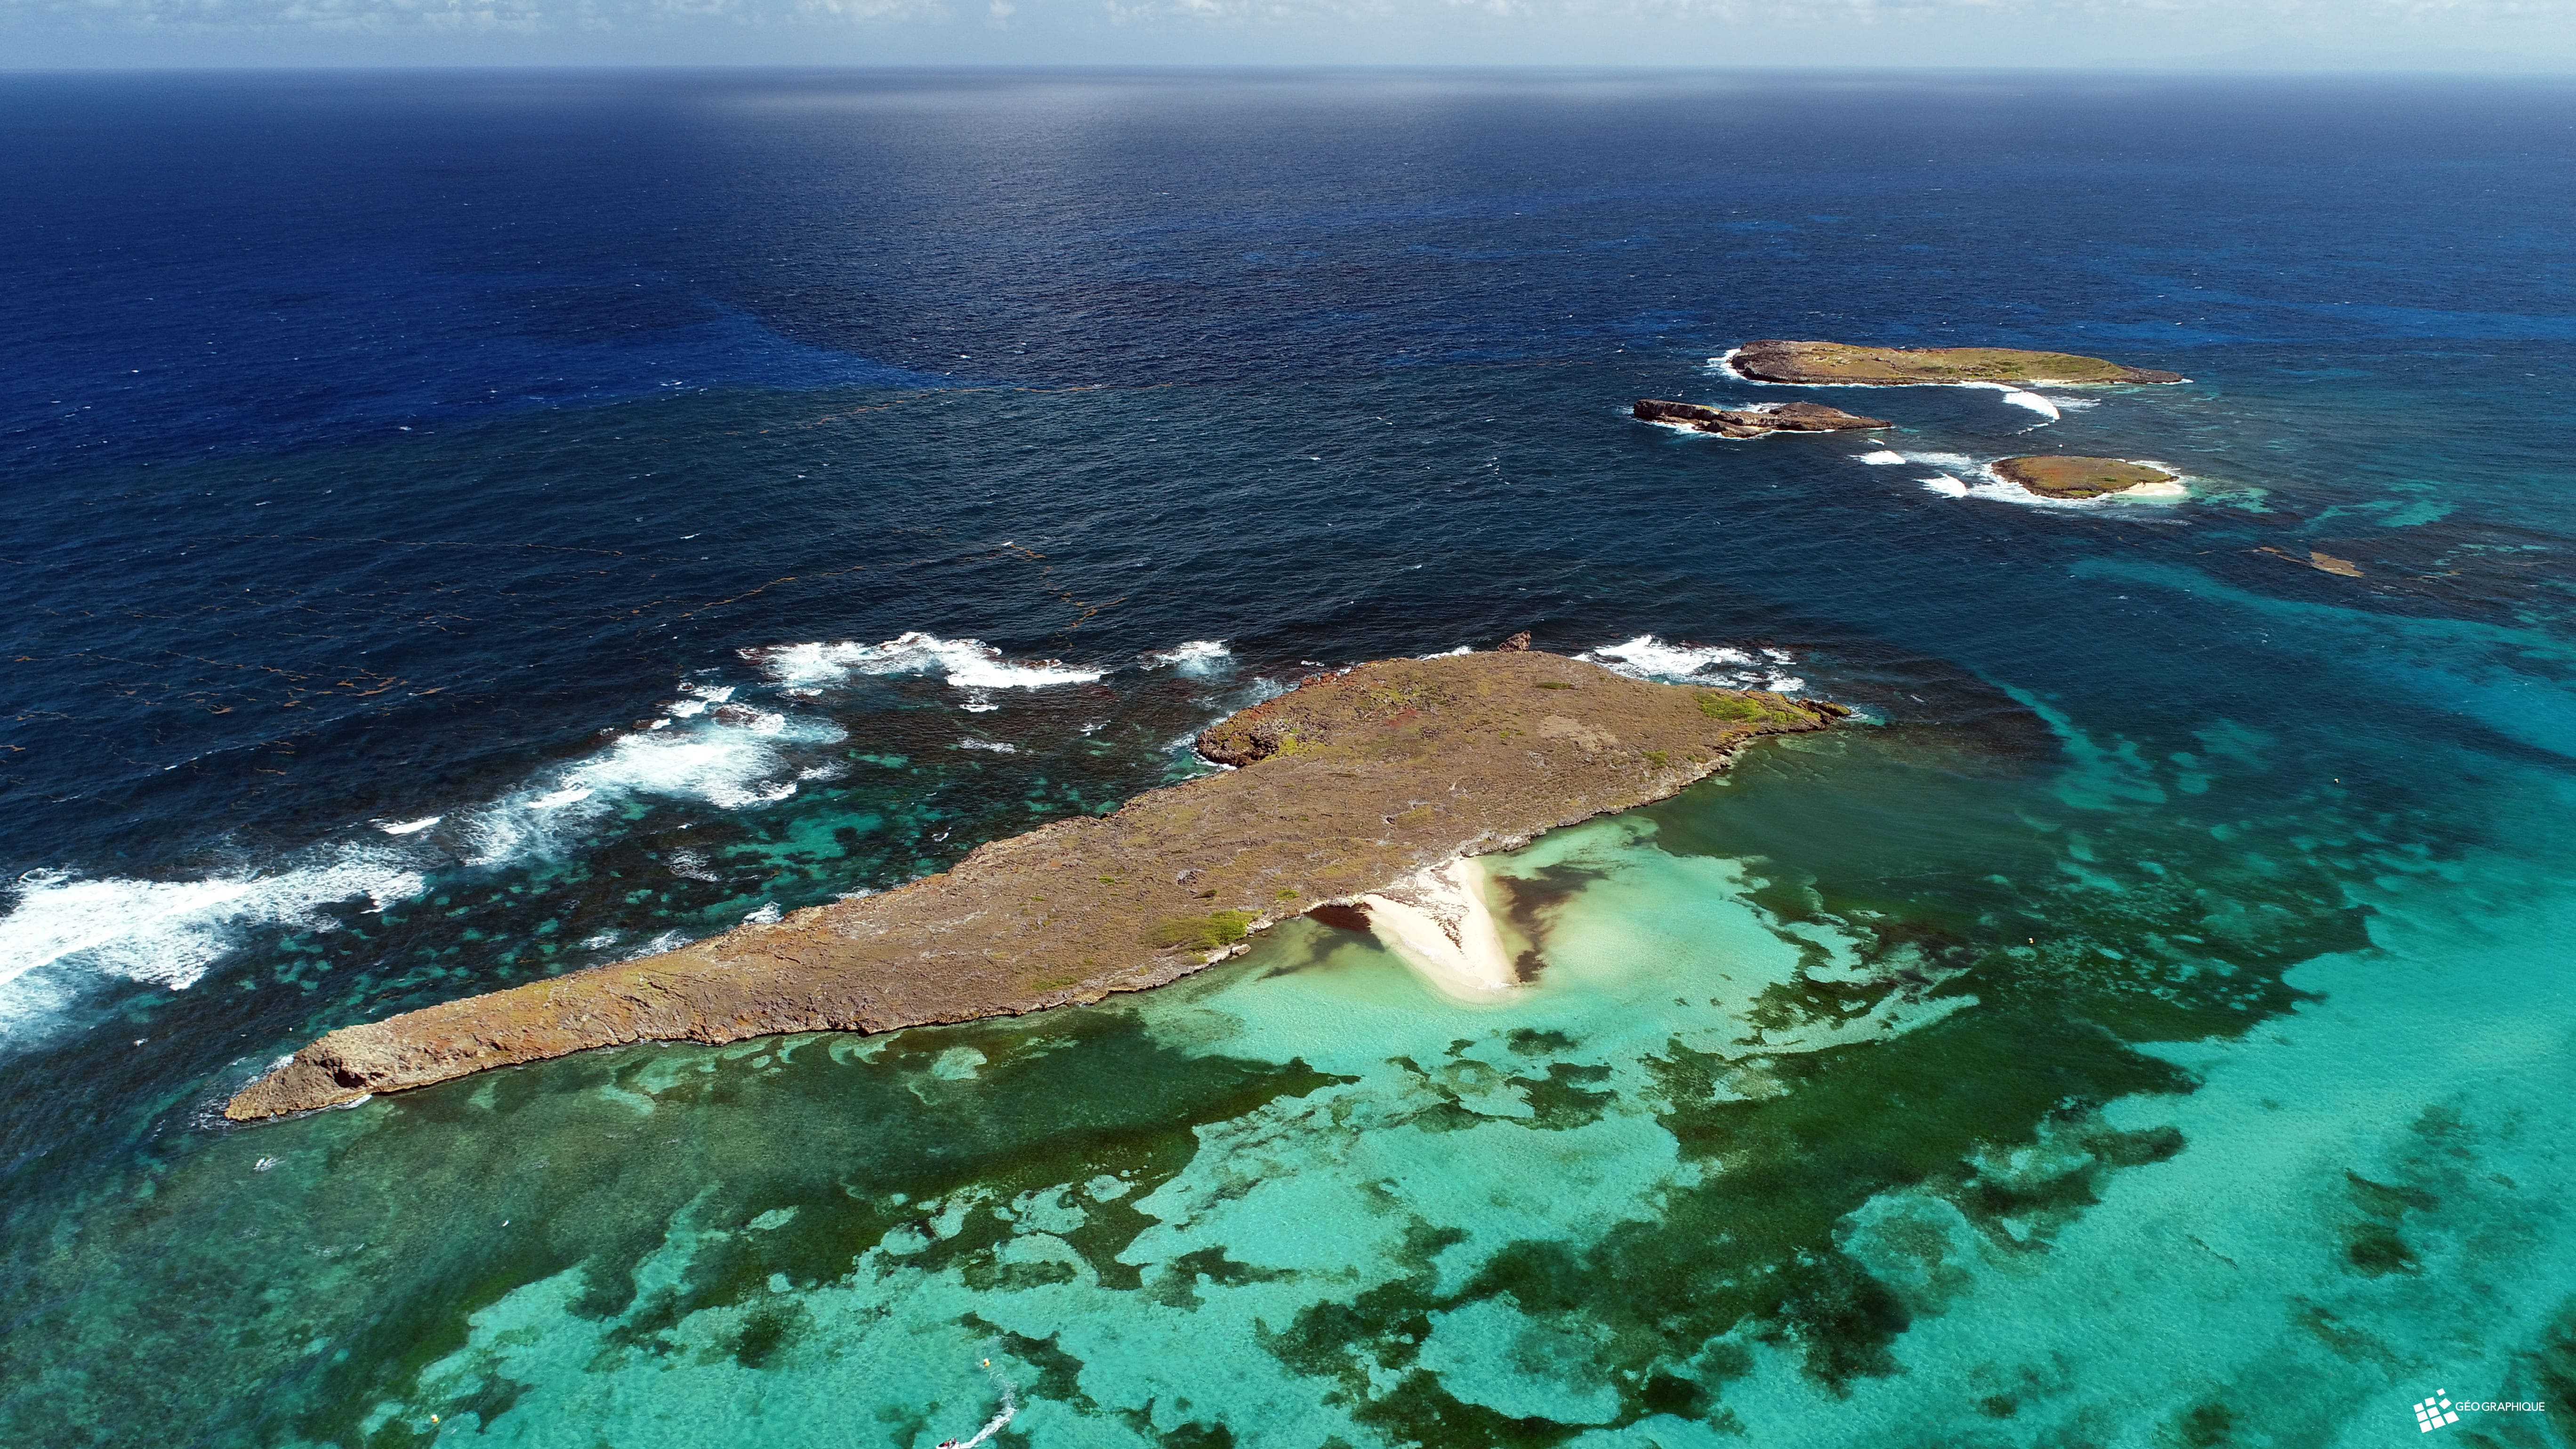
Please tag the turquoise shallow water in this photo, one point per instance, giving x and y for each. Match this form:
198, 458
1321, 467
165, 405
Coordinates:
1795, 1136
2150, 1026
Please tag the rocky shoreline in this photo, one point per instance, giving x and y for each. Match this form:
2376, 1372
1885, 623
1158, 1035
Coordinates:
1365, 783
2057, 476
1753, 422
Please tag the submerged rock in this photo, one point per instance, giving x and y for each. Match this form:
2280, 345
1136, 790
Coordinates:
1753, 422
2322, 562
2054, 476
1773, 360
1346, 788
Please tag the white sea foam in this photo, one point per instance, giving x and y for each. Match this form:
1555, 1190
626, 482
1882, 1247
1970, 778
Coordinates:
725, 768
1946, 485
1001, 1417
966, 663
169, 933
732, 761
2033, 401
996, 746
1196, 656
1647, 657
1881, 458
57, 927
667, 941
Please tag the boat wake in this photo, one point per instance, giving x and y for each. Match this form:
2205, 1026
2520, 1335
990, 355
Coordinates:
1001, 1417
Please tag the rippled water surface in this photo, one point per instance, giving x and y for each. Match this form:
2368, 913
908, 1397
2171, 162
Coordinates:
467, 529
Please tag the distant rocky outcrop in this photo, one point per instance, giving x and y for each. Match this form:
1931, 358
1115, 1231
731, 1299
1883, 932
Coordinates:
1753, 422
1355, 786
2056, 476
1774, 360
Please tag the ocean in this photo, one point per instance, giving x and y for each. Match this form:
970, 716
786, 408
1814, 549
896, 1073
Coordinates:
468, 527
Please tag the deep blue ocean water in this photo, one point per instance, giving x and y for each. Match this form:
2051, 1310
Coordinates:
2152, 1027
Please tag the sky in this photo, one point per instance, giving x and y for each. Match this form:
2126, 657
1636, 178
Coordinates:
2351, 35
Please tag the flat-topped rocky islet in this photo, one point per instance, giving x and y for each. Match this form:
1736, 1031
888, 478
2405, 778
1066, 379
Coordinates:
1775, 360
1368, 784
2057, 476
1753, 422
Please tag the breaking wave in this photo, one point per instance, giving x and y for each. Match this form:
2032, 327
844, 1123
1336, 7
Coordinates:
2021, 398
1197, 656
735, 758
1647, 657
61, 926
966, 663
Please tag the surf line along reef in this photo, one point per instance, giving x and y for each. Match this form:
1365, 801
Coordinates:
1369, 789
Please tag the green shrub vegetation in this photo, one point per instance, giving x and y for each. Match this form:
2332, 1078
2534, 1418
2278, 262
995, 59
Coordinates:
1202, 933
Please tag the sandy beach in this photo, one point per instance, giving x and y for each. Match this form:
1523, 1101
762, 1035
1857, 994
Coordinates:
1439, 923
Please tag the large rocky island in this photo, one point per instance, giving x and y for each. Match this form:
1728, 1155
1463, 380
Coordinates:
1371, 789
1773, 360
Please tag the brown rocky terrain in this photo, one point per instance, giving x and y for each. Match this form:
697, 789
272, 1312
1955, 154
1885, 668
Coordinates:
1346, 785
1796, 417
1773, 360
2055, 476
